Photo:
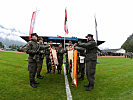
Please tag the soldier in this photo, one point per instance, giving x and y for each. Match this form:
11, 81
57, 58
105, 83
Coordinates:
91, 59
41, 57
31, 49
48, 60
60, 52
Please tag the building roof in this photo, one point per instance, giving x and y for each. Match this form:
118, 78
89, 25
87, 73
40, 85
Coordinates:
61, 39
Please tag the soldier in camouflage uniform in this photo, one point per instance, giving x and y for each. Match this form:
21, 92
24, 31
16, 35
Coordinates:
91, 59
60, 52
41, 57
48, 60
31, 49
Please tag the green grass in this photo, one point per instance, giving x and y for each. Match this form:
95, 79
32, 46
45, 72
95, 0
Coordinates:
113, 81
14, 81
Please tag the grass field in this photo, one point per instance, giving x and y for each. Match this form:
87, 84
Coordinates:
113, 81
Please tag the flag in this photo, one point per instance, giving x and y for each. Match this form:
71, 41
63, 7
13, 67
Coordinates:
65, 23
32, 24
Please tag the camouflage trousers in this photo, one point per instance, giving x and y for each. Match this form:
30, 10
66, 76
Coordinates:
60, 61
32, 67
39, 66
48, 63
90, 71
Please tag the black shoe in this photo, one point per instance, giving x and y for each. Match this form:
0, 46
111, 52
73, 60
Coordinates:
39, 76
33, 85
86, 85
35, 82
89, 88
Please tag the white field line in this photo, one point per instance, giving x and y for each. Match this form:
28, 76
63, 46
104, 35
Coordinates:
68, 92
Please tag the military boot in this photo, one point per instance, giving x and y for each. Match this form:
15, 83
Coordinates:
90, 88
39, 76
32, 84
47, 71
58, 72
35, 82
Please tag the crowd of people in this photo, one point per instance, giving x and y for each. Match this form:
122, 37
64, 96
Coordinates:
87, 54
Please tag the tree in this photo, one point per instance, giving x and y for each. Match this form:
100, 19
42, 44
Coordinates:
1, 45
128, 44
14, 47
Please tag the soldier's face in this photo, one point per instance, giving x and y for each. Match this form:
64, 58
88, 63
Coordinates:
89, 38
40, 41
60, 45
34, 37
70, 43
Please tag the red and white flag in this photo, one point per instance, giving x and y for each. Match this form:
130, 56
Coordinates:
32, 24
65, 24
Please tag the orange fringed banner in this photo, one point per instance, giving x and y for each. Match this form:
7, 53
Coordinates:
74, 80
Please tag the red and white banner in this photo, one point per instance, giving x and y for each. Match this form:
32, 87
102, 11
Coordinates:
65, 24
32, 24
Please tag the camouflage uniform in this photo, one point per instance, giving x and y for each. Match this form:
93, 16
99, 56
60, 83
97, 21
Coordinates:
91, 59
40, 60
31, 48
60, 58
48, 60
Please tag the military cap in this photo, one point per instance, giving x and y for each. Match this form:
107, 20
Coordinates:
70, 41
40, 38
50, 41
89, 35
34, 34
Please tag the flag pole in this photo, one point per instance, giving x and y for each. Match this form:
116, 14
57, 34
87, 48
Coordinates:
96, 29
64, 40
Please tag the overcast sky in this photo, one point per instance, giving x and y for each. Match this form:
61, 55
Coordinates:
114, 18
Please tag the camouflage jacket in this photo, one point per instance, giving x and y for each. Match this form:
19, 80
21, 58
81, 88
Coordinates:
31, 48
60, 52
91, 49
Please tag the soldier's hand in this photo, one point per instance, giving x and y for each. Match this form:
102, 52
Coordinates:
75, 44
37, 52
50, 43
85, 51
41, 52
